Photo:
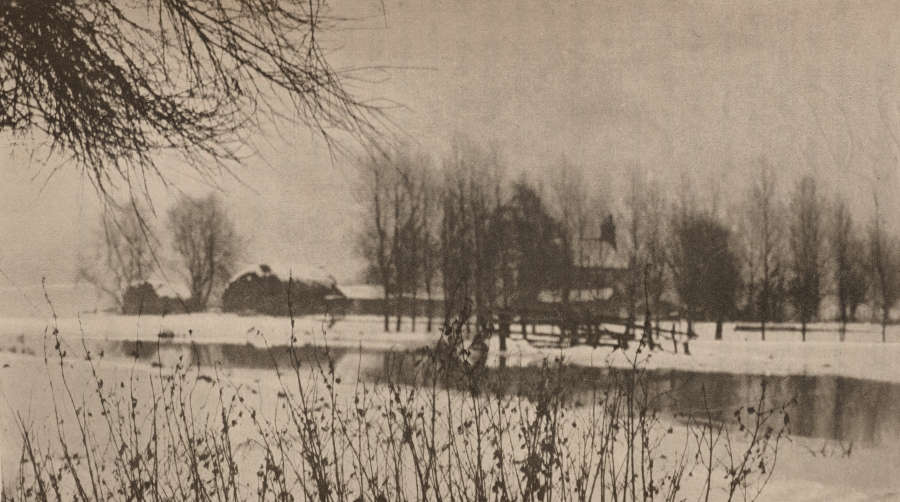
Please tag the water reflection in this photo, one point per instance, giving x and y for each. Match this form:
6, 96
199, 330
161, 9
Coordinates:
838, 408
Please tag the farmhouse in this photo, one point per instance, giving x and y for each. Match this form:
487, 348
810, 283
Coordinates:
280, 291
154, 297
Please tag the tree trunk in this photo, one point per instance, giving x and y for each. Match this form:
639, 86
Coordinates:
429, 310
386, 308
398, 309
843, 332
413, 312
719, 322
764, 317
803, 328
648, 331
448, 307
884, 321
504, 333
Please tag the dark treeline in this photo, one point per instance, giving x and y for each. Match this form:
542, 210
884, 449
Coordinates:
492, 245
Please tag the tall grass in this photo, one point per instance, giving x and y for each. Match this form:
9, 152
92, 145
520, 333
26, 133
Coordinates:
437, 427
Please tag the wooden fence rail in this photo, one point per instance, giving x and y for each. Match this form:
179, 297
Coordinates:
581, 328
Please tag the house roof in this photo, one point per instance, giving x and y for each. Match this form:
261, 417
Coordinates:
284, 271
165, 287
555, 296
362, 291
375, 292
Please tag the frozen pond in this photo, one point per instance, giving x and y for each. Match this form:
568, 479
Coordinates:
829, 407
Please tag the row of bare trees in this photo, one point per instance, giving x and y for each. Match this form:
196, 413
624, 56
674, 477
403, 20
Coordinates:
204, 243
810, 247
496, 245
399, 238
773, 257
462, 228
486, 244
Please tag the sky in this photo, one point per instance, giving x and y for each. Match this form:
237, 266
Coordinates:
681, 90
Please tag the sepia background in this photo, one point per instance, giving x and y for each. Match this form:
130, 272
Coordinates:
668, 116
679, 89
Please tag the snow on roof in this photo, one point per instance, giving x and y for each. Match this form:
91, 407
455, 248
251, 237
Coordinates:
164, 287
306, 273
554, 296
375, 292
362, 291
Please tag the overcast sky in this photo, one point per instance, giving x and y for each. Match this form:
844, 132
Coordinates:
673, 87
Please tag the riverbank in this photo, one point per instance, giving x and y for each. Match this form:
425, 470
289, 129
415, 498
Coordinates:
861, 356
807, 469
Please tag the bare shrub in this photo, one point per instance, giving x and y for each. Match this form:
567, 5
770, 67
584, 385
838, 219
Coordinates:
439, 427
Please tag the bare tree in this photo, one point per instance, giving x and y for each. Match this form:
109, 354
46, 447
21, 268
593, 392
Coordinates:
539, 258
848, 255
807, 253
403, 248
414, 210
430, 238
112, 85
656, 251
705, 267
764, 217
374, 239
455, 248
382, 186
206, 244
571, 208
472, 193
884, 258
634, 208
647, 218
399, 236
408, 263
124, 253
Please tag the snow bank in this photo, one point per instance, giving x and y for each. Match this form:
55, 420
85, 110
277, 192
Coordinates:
861, 356
219, 328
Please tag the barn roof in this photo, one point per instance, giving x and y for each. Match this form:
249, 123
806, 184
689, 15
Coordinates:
375, 292
173, 288
362, 291
284, 271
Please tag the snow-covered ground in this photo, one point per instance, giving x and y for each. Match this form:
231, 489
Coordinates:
808, 469
222, 328
784, 355
862, 355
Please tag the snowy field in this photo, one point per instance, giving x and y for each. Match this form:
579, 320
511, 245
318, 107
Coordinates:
862, 355
808, 468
